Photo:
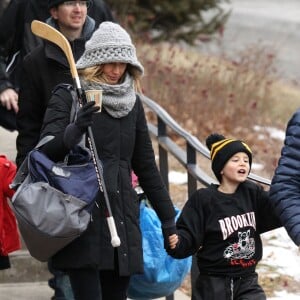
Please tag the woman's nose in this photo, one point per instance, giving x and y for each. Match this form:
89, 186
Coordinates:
117, 69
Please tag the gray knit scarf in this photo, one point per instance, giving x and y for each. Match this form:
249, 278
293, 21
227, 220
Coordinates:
119, 99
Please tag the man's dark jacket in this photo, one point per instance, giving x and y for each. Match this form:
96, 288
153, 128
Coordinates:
17, 39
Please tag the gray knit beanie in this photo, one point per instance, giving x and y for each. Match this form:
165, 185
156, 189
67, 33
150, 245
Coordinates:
109, 43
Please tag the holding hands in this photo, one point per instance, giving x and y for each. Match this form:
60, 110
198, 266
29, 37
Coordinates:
170, 234
173, 240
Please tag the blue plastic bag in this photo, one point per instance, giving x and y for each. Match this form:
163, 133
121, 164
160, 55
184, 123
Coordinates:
162, 273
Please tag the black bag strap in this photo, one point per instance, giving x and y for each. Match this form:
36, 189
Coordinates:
23, 169
75, 103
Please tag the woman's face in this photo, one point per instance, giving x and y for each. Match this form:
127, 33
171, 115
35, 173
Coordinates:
112, 72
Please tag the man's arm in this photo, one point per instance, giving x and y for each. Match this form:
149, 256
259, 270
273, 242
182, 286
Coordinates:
10, 45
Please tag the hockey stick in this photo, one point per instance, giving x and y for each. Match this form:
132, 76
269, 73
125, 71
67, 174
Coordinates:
49, 33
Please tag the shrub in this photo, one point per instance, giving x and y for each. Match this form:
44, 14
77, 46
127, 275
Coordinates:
172, 20
207, 94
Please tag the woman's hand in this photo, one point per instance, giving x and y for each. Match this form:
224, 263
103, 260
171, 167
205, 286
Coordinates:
85, 115
74, 131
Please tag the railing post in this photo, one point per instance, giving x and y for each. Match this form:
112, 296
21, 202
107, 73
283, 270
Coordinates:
191, 160
163, 154
163, 164
192, 187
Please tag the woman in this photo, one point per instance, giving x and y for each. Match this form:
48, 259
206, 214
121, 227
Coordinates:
109, 63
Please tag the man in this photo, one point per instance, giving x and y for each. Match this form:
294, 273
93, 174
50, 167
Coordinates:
17, 40
46, 66
42, 69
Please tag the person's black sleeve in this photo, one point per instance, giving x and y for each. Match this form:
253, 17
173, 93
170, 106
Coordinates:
30, 115
144, 166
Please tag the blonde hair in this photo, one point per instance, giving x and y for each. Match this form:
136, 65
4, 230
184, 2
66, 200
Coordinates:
95, 74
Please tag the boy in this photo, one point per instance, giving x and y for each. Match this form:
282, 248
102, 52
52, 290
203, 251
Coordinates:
222, 225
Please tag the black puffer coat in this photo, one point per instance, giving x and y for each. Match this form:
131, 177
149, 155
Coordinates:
285, 187
123, 145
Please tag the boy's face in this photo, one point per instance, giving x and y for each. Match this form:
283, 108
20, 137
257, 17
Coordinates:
237, 168
70, 15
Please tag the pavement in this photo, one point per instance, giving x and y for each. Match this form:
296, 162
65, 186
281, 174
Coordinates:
41, 291
25, 291
8, 144
12, 285
262, 27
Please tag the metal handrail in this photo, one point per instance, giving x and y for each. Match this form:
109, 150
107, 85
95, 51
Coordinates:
191, 139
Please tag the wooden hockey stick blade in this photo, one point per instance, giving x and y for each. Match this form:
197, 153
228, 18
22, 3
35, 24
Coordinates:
49, 33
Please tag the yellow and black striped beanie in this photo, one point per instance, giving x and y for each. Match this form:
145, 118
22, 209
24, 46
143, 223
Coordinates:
222, 149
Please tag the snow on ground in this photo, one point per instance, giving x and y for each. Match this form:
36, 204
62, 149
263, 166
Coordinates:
177, 177
283, 295
280, 251
273, 132
257, 167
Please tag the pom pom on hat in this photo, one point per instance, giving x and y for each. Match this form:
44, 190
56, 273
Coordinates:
109, 43
222, 149
213, 138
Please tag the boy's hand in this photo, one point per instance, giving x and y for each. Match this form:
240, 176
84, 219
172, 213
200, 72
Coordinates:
168, 230
173, 240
